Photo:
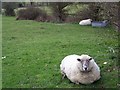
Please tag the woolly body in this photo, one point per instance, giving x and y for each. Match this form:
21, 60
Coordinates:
73, 69
85, 22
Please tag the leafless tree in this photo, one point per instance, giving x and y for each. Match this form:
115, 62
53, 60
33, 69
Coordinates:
58, 10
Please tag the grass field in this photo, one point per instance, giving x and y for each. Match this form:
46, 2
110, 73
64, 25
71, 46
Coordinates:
33, 51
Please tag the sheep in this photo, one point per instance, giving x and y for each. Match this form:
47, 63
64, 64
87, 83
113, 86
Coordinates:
80, 69
85, 22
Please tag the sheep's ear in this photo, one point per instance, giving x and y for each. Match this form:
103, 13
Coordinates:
79, 59
90, 59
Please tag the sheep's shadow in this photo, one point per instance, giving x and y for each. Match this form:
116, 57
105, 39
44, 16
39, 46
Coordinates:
93, 85
70, 82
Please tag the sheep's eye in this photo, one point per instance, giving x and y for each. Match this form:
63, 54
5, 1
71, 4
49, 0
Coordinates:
79, 59
90, 59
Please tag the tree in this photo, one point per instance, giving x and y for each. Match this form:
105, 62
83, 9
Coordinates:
110, 11
95, 9
58, 10
31, 3
106, 10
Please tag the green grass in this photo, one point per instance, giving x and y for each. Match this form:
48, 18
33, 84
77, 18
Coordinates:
34, 51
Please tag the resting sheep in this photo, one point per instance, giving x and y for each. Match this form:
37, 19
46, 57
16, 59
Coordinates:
85, 22
80, 69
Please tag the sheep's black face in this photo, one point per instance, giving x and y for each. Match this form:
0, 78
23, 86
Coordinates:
85, 63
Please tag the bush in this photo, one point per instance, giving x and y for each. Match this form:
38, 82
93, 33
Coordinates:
91, 11
80, 15
9, 8
72, 19
32, 13
84, 14
110, 11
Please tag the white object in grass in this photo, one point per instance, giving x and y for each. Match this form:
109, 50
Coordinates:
3, 57
105, 63
85, 22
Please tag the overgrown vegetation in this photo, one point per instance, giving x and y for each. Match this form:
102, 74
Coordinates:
59, 12
32, 53
97, 11
102, 11
70, 12
9, 8
32, 13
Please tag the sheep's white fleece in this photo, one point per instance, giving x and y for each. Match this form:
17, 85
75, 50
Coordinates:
85, 22
72, 68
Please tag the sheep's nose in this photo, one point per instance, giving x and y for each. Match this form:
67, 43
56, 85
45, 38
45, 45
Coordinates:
85, 69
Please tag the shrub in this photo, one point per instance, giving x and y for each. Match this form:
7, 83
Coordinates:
72, 19
59, 15
110, 11
84, 14
9, 8
91, 11
32, 13
45, 19
80, 15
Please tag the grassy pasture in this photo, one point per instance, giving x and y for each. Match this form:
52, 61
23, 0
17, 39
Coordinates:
33, 52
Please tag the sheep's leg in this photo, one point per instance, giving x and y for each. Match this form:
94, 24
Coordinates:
63, 76
77, 82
